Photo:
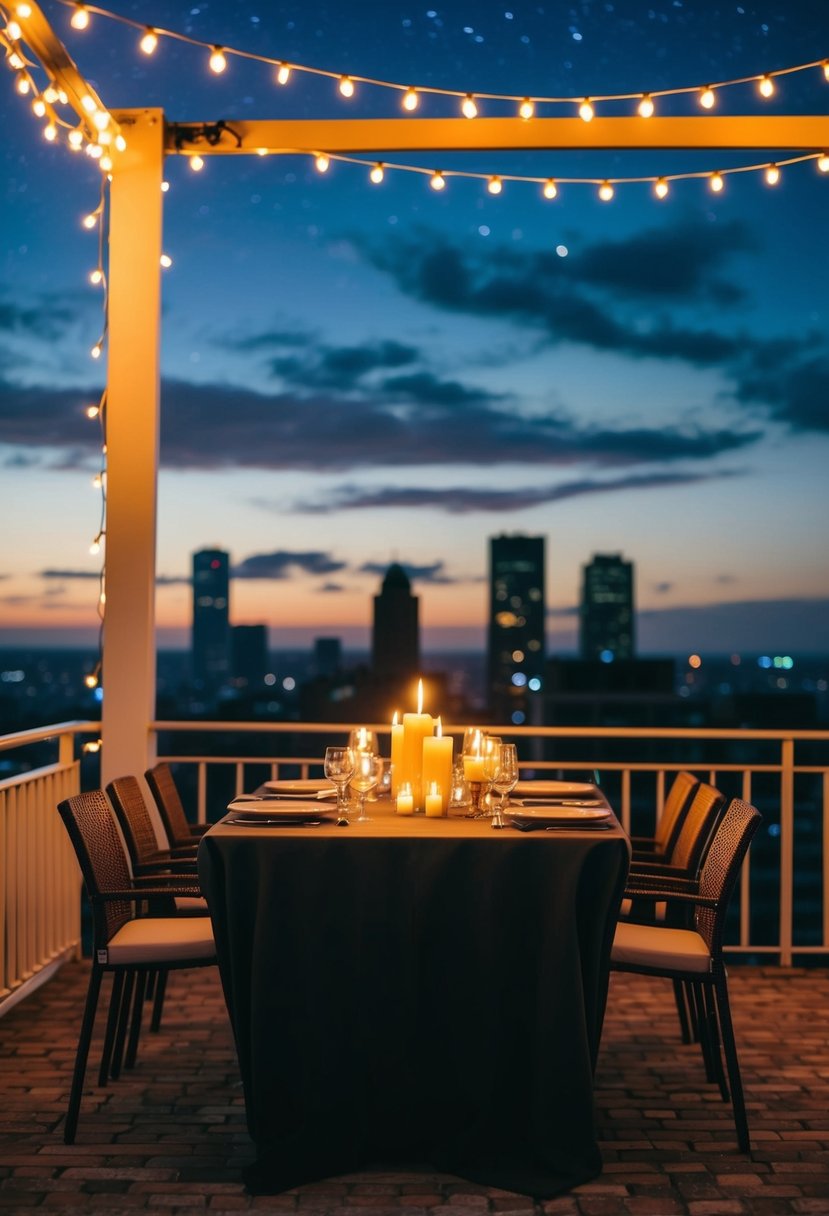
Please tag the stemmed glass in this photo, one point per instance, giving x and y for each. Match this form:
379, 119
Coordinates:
339, 768
363, 739
367, 771
504, 780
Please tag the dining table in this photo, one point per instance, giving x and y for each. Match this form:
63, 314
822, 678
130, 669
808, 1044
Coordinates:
414, 991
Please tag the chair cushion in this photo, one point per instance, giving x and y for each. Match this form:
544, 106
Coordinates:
162, 939
191, 905
659, 948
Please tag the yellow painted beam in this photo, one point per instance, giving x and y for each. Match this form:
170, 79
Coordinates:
372, 135
44, 42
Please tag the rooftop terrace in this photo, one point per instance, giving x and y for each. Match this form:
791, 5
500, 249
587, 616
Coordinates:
171, 1135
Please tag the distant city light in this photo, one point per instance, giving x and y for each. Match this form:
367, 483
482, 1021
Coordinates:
607, 656
735, 660
289, 683
519, 679
518, 717
534, 684
764, 661
694, 661
270, 679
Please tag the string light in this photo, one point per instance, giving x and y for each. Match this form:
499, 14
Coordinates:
217, 61
660, 188
646, 106
772, 175
75, 139
586, 110
24, 11
80, 18
707, 98
437, 181
97, 350
550, 189
765, 86
469, 108
39, 107
166, 261
14, 31
322, 162
90, 221
15, 62
410, 99
606, 192
92, 411
120, 142
93, 745
50, 132
88, 104
51, 95
96, 276
716, 182
149, 42
23, 84
494, 185
165, 186
196, 164
823, 163
377, 174
346, 86
526, 109
825, 67
283, 73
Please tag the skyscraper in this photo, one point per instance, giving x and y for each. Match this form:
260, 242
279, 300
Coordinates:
395, 639
517, 619
607, 612
249, 647
211, 619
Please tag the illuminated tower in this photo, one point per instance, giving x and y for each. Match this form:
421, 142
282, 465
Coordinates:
517, 618
607, 613
211, 619
395, 639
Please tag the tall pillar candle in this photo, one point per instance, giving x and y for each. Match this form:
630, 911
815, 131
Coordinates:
416, 728
437, 765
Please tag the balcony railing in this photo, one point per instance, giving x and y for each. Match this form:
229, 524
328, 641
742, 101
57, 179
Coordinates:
783, 907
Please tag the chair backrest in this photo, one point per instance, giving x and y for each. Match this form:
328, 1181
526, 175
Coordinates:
722, 867
135, 819
697, 827
679, 797
100, 852
163, 789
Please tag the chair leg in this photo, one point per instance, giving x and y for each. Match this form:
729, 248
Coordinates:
135, 1027
158, 1002
712, 1023
682, 1011
692, 1012
732, 1063
123, 1022
704, 1037
112, 1023
82, 1054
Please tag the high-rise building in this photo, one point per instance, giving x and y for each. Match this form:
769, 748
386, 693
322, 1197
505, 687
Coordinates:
211, 619
249, 647
328, 656
517, 622
395, 639
607, 612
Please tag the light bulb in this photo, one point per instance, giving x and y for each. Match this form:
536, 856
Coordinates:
97, 482
410, 99
50, 94
586, 110
104, 138
526, 109
166, 261
494, 185
95, 277
80, 18
646, 106
660, 188
93, 746
716, 182
165, 186
75, 139
89, 221
468, 107
120, 143
217, 60
772, 175
346, 86
149, 41
63, 97
91, 681
50, 132
96, 351
605, 192
283, 73
825, 66
102, 598
24, 11
377, 174
765, 86
322, 162
707, 98
92, 411
261, 151
550, 189
88, 104
437, 181
106, 163
95, 151
14, 31
196, 164
15, 62
94, 548
823, 163
22, 84
39, 107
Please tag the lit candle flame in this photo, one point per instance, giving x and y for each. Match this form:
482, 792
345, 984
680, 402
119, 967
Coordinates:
420, 696
439, 731
394, 719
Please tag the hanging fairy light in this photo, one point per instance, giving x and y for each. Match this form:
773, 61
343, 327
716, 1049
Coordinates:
346, 86
469, 107
322, 162
606, 192
149, 42
646, 106
660, 188
80, 17
196, 164
495, 185
437, 181
586, 111
410, 99
772, 175
377, 174
707, 98
217, 61
716, 182
527, 109
549, 189
765, 86
283, 73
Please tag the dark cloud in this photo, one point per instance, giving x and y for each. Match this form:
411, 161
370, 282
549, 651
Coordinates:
461, 500
797, 391
434, 573
331, 588
48, 418
269, 340
282, 563
663, 588
46, 317
341, 368
426, 389
71, 574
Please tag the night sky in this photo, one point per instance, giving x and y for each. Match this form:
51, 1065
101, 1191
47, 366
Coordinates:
358, 373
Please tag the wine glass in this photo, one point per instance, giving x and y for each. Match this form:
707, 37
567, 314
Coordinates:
339, 768
363, 739
505, 779
367, 772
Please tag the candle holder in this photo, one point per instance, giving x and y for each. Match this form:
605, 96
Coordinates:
478, 791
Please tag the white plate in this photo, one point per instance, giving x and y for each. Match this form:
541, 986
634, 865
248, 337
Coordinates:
273, 808
301, 787
555, 789
571, 815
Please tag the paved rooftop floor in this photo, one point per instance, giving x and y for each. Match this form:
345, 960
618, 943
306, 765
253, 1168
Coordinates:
170, 1137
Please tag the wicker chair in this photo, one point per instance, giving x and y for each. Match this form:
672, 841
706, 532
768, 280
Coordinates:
693, 957
691, 844
180, 831
659, 846
136, 822
128, 945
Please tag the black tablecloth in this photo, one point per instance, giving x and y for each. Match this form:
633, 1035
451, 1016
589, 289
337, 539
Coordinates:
413, 991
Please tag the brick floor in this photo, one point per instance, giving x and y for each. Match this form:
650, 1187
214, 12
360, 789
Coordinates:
170, 1137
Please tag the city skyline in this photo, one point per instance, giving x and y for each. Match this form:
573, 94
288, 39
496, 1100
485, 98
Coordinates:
639, 376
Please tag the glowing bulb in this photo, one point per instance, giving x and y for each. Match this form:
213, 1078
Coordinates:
165, 186
526, 109
283, 73
24, 11
586, 110
23, 85
94, 548
90, 681
150, 41
95, 277
106, 163
80, 18
95, 151
707, 98
92, 411
823, 163
104, 138
39, 107
377, 174
765, 86
346, 86
88, 104
50, 94
217, 60
660, 188
468, 107
15, 62
96, 351
50, 132
646, 106
437, 181
550, 189
97, 481
772, 175
62, 97
94, 746
120, 143
261, 151
89, 221
166, 261
102, 598
605, 192
410, 99
196, 164
716, 182
825, 66
322, 162
494, 185
14, 31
